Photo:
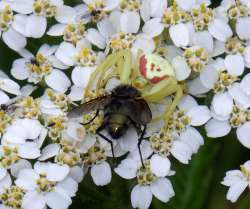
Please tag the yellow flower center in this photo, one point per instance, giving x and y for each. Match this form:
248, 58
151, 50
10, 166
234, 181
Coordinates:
8, 156
202, 17
144, 174
86, 57
39, 67
239, 116
68, 154
238, 10
225, 80
196, 58
74, 32
121, 41
6, 18
12, 197
44, 8
44, 185
95, 155
131, 5
234, 45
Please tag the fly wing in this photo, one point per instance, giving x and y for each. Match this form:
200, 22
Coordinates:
139, 111
94, 104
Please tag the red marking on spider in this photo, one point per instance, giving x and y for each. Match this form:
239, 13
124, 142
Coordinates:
143, 70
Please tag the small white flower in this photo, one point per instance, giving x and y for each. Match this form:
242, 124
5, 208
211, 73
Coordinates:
150, 179
47, 184
41, 68
237, 181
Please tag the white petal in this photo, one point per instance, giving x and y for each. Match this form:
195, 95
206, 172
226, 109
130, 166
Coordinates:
19, 23
19, 70
234, 64
141, 197
33, 127
160, 166
65, 14
235, 191
187, 103
31, 29
3, 173
9, 86
29, 150
14, 40
219, 48
186, 4
49, 151
239, 96
243, 134
128, 142
209, 76
153, 27
199, 115
56, 30
96, 38
76, 131
27, 179
181, 152
101, 174
143, 42
81, 75
179, 34
222, 104
220, 30
162, 189
245, 84
196, 87
204, 40
76, 173
22, 6
4, 98
192, 138
56, 200
182, 70
66, 53
20, 165
5, 183
130, 22
216, 128
58, 81
127, 169
68, 185
157, 7
106, 28
57, 172
241, 28
33, 197
76, 93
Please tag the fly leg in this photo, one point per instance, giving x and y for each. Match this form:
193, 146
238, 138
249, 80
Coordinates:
92, 119
139, 143
98, 132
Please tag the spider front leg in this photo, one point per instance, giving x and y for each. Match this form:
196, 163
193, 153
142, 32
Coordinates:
163, 89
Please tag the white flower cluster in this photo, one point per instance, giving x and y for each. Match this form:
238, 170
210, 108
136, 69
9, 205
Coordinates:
44, 154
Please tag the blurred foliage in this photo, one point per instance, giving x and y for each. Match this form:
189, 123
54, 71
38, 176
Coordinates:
197, 185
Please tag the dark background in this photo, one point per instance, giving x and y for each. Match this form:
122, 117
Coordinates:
197, 185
